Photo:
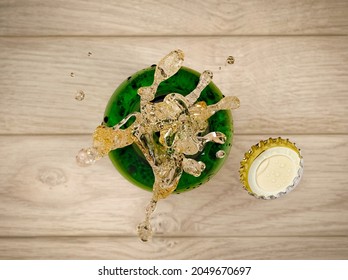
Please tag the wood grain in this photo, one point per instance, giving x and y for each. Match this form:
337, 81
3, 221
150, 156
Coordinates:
175, 248
290, 73
276, 17
287, 85
44, 193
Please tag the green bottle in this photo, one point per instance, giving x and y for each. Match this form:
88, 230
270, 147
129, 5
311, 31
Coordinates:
130, 161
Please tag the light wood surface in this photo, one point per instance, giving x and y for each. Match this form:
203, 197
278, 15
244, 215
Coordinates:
50, 196
282, 248
292, 82
291, 85
209, 17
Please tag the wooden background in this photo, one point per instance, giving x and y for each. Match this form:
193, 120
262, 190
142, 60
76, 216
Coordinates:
291, 75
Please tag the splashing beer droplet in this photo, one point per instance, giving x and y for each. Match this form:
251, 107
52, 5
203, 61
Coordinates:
87, 156
220, 154
179, 133
72, 74
230, 60
80, 95
144, 228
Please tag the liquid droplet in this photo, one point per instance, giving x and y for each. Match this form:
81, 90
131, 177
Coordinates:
89, 53
80, 95
86, 157
220, 154
230, 60
72, 74
144, 229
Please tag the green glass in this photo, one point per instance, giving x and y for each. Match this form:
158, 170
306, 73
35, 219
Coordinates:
130, 162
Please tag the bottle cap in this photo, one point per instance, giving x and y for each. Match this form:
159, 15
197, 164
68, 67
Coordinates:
271, 168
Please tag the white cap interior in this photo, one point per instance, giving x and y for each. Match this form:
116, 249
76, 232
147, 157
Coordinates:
273, 171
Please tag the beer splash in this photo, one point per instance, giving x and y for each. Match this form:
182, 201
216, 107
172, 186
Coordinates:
80, 95
165, 132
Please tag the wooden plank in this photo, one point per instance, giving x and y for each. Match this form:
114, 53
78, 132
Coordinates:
44, 193
134, 17
175, 248
286, 85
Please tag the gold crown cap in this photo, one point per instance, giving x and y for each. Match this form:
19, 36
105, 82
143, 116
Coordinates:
271, 168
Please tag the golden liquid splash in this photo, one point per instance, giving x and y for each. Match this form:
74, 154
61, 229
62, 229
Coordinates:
220, 154
230, 60
144, 229
80, 95
178, 119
